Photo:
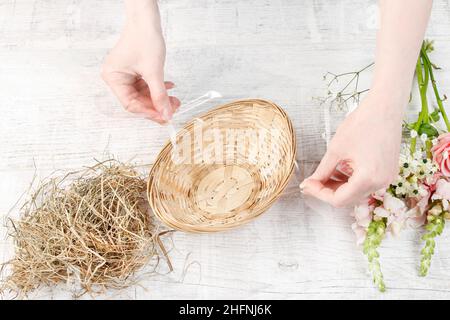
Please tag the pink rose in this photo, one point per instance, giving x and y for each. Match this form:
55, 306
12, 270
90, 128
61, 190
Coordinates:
441, 153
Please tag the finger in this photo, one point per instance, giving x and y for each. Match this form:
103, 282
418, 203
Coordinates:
318, 189
159, 96
169, 85
142, 86
175, 103
338, 193
314, 187
133, 94
326, 167
122, 85
351, 192
345, 167
339, 176
333, 184
140, 106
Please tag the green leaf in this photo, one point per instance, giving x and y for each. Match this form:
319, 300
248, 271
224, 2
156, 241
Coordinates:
428, 129
434, 116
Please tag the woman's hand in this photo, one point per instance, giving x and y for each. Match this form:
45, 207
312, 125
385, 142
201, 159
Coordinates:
367, 145
134, 69
368, 141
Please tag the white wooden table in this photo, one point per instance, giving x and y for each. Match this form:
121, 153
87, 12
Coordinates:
57, 114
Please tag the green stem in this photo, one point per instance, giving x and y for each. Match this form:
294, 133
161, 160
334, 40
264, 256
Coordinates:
423, 79
435, 89
423, 115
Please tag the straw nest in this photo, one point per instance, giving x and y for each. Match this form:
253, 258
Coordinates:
228, 166
90, 229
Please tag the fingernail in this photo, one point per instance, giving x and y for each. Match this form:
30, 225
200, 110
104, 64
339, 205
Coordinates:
303, 184
165, 114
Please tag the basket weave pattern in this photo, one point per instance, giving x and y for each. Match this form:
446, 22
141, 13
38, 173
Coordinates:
252, 143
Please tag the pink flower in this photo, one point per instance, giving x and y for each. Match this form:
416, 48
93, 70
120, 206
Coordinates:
394, 210
441, 153
431, 181
421, 202
391, 206
360, 233
363, 215
442, 193
415, 217
379, 195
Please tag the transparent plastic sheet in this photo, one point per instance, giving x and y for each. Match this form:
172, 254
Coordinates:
332, 117
189, 111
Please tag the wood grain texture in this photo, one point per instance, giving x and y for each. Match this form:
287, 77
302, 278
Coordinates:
57, 114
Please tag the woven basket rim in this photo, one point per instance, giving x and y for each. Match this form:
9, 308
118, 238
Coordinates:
166, 219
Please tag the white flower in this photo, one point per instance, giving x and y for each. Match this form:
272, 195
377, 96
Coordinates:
423, 137
413, 133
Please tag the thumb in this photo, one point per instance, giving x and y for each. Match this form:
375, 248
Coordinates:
159, 96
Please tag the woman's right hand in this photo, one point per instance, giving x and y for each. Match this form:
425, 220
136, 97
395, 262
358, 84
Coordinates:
134, 69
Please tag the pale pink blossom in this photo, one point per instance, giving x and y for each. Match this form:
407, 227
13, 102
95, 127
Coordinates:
421, 201
442, 193
360, 233
394, 210
391, 206
363, 214
379, 195
415, 217
431, 181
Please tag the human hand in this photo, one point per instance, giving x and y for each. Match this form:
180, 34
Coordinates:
368, 144
134, 69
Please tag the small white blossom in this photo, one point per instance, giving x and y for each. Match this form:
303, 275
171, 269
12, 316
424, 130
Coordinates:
423, 137
414, 171
413, 133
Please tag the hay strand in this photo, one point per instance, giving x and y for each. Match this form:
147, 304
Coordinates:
89, 228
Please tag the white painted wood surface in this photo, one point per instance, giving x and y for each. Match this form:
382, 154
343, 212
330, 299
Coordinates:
57, 114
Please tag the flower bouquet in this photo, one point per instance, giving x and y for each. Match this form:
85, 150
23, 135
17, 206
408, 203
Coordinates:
420, 195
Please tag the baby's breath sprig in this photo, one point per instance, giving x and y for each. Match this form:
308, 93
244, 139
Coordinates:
343, 88
434, 228
375, 234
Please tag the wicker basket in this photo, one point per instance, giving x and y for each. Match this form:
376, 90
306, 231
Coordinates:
237, 167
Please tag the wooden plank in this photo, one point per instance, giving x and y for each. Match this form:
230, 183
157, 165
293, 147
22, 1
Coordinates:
57, 114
